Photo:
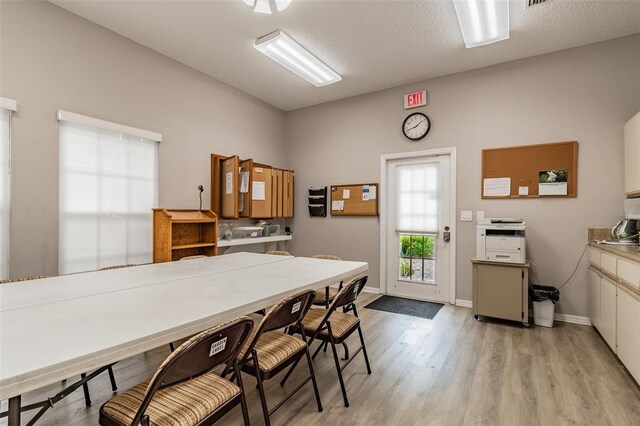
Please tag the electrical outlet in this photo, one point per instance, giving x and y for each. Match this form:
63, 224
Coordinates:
466, 215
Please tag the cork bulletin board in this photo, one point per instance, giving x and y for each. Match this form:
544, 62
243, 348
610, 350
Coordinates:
354, 200
523, 164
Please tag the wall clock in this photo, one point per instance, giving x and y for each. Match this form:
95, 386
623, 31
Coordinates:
416, 126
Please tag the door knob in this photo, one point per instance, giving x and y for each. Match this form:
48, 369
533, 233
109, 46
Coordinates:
446, 235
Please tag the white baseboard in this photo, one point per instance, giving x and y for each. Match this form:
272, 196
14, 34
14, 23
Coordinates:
573, 319
464, 303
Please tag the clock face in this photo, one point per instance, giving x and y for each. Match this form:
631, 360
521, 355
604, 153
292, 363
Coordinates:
416, 126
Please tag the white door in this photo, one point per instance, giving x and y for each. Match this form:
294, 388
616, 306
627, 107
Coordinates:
418, 250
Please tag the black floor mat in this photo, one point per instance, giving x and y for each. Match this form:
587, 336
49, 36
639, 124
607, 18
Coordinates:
399, 305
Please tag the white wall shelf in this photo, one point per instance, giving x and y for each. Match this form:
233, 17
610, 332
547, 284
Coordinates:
258, 240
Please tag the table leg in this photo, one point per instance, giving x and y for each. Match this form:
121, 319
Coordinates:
14, 411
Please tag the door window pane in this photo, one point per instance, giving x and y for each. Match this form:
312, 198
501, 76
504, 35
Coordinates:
417, 258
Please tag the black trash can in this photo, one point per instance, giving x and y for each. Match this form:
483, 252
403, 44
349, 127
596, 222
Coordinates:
544, 302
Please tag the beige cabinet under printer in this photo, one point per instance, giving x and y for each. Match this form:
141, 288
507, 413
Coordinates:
500, 290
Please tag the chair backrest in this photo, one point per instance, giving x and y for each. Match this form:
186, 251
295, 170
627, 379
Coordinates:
327, 257
127, 265
199, 355
279, 252
199, 256
288, 312
15, 280
347, 295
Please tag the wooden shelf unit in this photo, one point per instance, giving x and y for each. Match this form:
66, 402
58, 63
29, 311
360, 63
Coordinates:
181, 233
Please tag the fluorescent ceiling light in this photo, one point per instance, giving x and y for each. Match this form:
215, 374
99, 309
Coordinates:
263, 7
483, 21
285, 51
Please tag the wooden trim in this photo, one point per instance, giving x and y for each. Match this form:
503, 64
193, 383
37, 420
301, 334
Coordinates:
633, 194
629, 289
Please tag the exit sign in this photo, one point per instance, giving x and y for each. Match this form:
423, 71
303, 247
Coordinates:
415, 99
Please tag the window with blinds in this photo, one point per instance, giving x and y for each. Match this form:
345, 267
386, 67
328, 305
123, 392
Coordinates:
5, 198
108, 186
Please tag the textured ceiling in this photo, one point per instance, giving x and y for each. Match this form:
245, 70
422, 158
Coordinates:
373, 44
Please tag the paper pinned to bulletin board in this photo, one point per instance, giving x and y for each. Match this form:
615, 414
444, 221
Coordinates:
354, 200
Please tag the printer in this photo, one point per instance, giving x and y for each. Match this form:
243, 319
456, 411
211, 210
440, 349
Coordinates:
501, 240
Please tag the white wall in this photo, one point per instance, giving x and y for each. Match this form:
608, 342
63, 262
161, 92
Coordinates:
584, 94
51, 59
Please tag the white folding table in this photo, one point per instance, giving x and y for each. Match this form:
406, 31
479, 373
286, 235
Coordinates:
55, 328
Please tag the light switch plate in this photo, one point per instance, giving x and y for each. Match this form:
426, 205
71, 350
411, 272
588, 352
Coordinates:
479, 214
466, 215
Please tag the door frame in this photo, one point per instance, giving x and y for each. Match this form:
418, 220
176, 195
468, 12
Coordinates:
384, 160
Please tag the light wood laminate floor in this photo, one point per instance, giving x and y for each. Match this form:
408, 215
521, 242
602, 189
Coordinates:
451, 370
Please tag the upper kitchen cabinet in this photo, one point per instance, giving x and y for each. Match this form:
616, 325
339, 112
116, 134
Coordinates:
632, 157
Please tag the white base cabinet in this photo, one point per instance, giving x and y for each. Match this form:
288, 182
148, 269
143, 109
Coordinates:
594, 297
628, 315
614, 305
608, 315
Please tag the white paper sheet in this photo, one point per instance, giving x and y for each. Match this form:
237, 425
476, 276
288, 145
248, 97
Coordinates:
372, 192
558, 188
497, 187
346, 193
258, 191
244, 182
229, 183
523, 190
337, 205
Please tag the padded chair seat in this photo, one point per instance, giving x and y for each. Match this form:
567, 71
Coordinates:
341, 323
274, 348
321, 295
183, 404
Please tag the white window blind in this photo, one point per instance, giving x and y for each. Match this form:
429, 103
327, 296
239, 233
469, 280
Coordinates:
5, 198
418, 194
108, 186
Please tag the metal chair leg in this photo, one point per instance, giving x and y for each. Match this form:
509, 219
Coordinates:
112, 377
364, 350
85, 388
338, 369
243, 399
263, 397
313, 380
346, 351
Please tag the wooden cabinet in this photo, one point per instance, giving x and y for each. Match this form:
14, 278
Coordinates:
593, 294
267, 193
182, 233
287, 193
632, 156
628, 320
608, 315
500, 290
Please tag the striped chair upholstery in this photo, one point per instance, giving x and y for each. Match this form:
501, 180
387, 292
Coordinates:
341, 323
186, 390
187, 403
127, 265
274, 348
17, 280
269, 351
279, 252
326, 295
194, 257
